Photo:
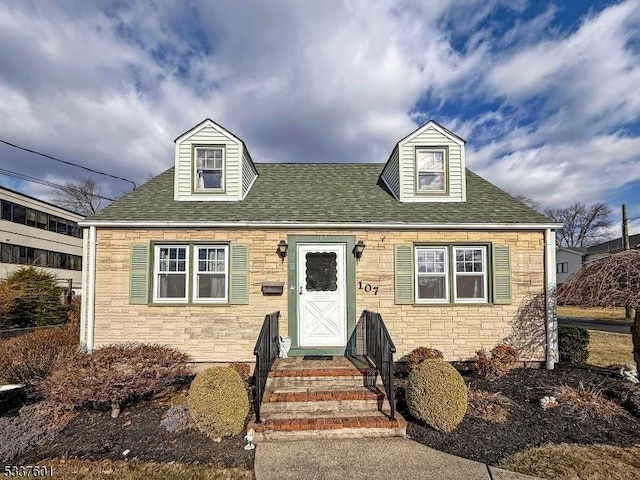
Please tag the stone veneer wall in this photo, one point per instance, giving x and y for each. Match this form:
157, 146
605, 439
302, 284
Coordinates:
222, 333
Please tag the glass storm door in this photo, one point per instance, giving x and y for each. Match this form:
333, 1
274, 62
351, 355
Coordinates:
322, 312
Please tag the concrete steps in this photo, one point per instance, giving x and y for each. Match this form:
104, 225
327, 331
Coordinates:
337, 398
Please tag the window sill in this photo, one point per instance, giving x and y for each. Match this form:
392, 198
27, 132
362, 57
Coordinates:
189, 304
452, 304
208, 191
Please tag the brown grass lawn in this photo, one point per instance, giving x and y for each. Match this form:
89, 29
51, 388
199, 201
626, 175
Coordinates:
86, 470
593, 462
570, 461
606, 348
613, 313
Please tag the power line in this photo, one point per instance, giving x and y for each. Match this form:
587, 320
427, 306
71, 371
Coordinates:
28, 178
68, 163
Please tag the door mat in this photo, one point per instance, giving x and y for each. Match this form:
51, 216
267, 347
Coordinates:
317, 357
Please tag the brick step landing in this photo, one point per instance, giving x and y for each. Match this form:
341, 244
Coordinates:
305, 384
338, 398
375, 424
324, 395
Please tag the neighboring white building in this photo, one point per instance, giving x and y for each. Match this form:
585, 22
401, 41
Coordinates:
568, 260
34, 232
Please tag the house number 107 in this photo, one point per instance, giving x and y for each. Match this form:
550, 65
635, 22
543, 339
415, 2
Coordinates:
367, 288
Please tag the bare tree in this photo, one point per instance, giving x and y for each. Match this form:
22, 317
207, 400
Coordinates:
529, 202
84, 196
612, 280
583, 224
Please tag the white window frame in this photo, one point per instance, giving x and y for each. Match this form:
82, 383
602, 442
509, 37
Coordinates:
196, 170
562, 267
443, 171
445, 274
157, 272
485, 274
196, 272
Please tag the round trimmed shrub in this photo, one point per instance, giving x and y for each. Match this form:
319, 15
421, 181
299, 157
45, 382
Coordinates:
573, 344
218, 402
437, 394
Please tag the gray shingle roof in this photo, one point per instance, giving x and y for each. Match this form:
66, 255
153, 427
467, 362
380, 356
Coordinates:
319, 193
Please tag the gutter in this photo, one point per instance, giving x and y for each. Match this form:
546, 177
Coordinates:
91, 289
350, 225
85, 289
551, 322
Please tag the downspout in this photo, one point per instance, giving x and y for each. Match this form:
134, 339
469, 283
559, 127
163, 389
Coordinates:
91, 290
84, 295
549, 301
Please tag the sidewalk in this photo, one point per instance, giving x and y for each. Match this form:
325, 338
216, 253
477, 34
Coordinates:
367, 459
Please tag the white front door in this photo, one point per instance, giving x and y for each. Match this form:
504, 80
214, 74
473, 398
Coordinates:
322, 295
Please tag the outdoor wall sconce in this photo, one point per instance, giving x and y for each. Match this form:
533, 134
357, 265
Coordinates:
358, 249
282, 249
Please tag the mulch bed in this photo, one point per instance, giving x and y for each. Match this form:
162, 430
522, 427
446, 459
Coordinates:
94, 435
527, 424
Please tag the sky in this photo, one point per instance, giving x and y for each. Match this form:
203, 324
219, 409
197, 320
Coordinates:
546, 93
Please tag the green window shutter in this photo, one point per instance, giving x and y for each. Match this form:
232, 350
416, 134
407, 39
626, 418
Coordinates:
239, 274
501, 275
403, 272
139, 274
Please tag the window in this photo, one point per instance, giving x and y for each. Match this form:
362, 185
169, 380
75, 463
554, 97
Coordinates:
6, 253
31, 217
562, 267
432, 284
19, 214
6, 210
470, 274
21, 255
465, 275
41, 258
210, 282
43, 221
170, 273
16, 213
321, 271
61, 226
431, 170
209, 168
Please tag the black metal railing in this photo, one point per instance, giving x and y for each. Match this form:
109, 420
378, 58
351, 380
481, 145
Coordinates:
380, 349
266, 352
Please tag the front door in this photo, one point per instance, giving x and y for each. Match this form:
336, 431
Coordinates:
322, 295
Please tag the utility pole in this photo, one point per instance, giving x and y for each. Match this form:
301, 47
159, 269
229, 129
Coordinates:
625, 228
625, 243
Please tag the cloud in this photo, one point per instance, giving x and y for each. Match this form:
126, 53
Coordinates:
111, 84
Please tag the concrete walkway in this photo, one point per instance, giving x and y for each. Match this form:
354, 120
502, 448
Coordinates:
367, 459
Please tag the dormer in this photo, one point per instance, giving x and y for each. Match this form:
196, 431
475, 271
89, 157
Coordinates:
212, 164
427, 166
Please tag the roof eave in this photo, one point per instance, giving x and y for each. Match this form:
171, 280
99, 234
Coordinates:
319, 225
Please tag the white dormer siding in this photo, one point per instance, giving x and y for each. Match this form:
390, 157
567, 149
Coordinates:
249, 173
237, 167
391, 174
401, 176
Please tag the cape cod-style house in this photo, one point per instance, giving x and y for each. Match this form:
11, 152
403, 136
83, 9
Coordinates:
419, 249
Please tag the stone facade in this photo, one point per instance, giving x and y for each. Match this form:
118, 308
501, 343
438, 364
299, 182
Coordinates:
223, 333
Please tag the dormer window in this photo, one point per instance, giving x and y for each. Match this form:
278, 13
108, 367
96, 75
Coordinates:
209, 169
431, 173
